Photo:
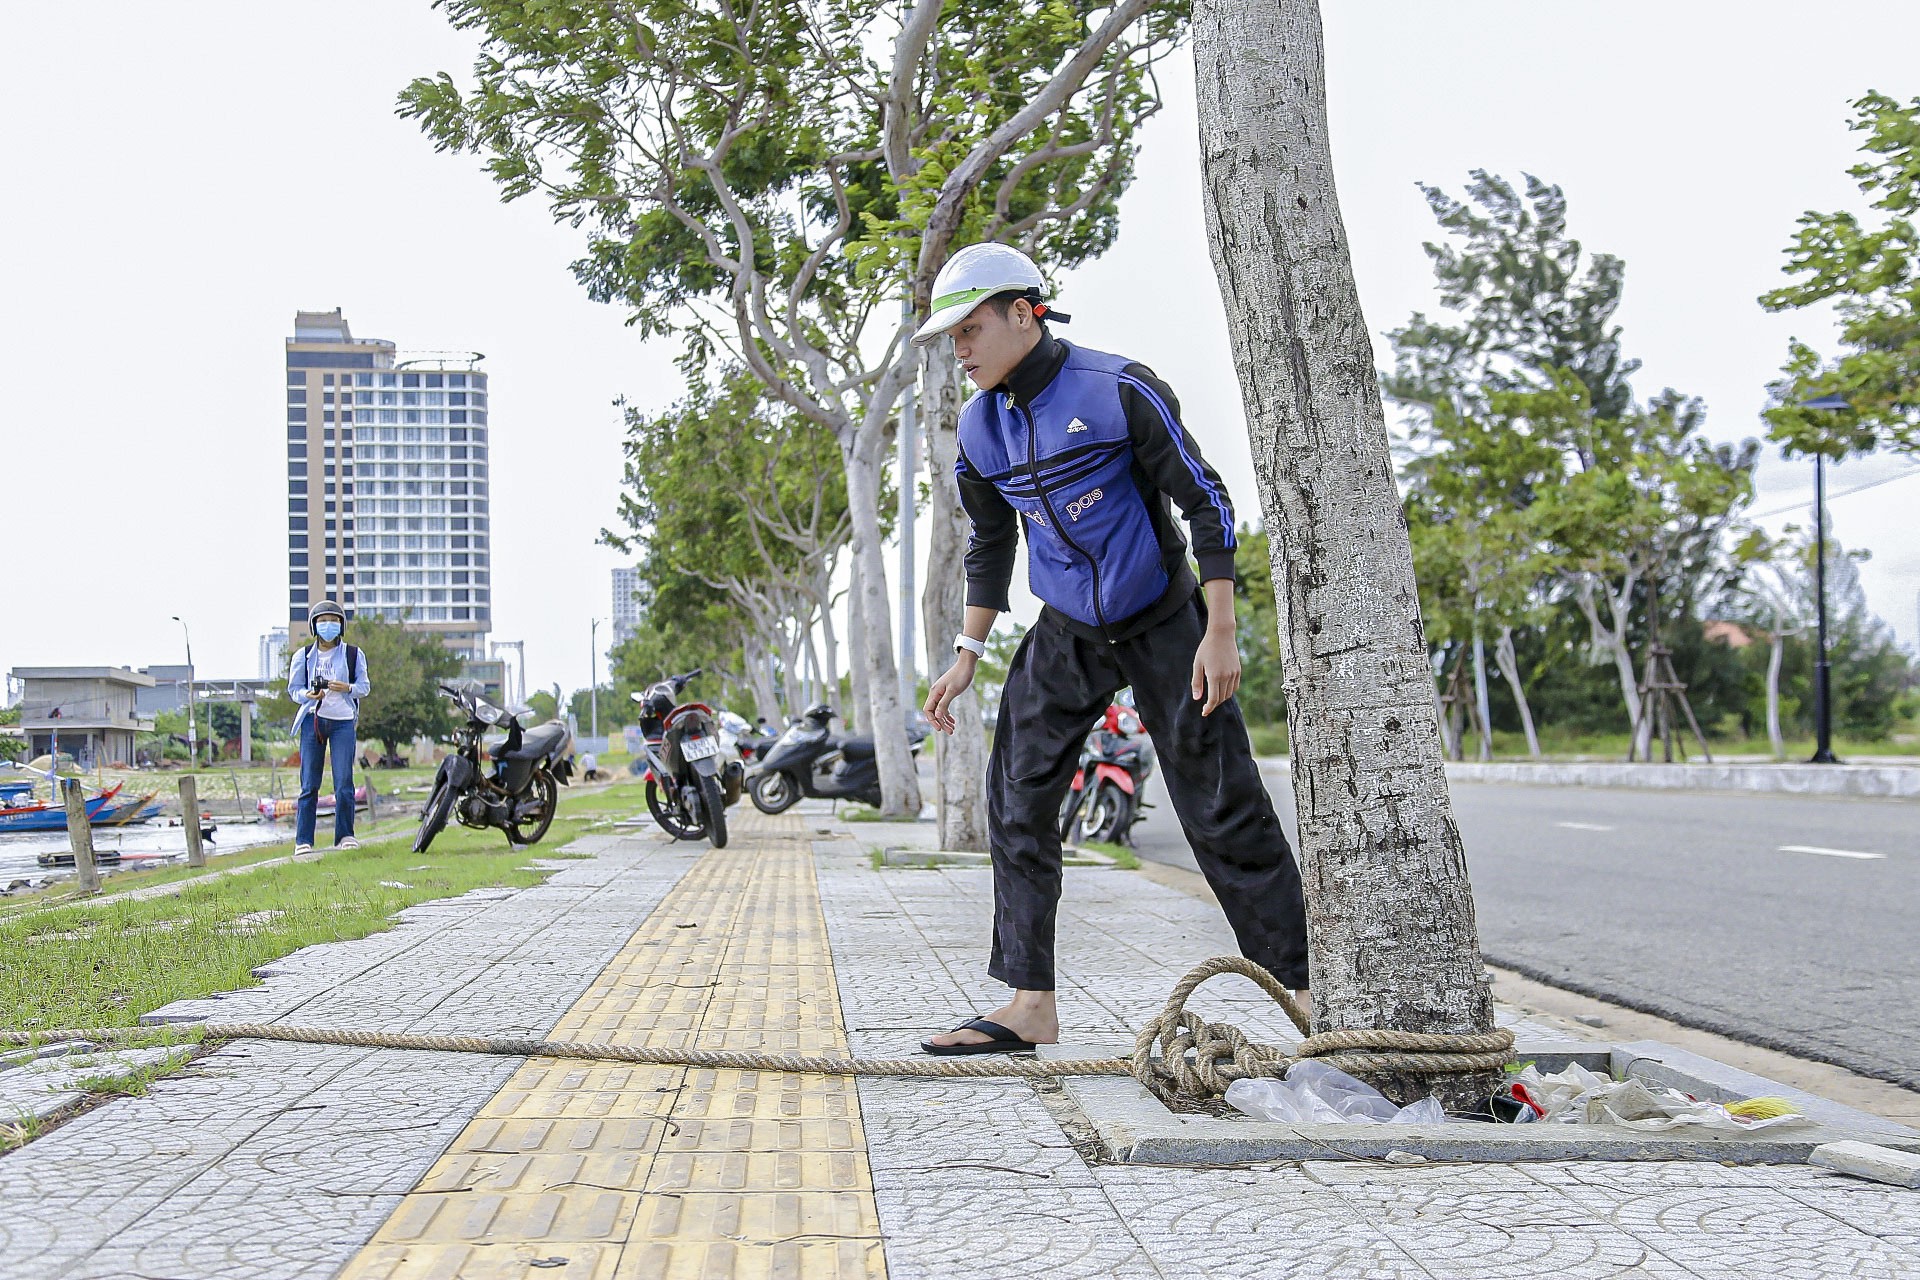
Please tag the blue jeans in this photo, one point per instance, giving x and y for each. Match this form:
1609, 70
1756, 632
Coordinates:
337, 737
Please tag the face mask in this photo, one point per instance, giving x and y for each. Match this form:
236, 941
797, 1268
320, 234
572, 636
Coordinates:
328, 631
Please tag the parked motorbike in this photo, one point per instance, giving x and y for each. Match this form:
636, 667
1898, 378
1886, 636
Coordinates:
808, 761
520, 795
1105, 800
751, 741
692, 775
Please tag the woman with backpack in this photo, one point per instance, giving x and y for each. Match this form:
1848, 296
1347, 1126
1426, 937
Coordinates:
328, 679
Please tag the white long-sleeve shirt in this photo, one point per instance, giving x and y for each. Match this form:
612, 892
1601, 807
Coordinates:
333, 664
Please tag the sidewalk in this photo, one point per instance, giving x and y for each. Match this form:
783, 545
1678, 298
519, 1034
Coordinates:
273, 1160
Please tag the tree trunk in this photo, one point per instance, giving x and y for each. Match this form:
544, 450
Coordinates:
1503, 657
1773, 694
887, 719
856, 710
828, 676
1614, 641
1389, 910
1483, 711
960, 787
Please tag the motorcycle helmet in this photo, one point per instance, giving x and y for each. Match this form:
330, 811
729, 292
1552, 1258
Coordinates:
820, 711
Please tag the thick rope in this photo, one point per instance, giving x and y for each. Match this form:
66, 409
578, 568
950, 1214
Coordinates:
1197, 1059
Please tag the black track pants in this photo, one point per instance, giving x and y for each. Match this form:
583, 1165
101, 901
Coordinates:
1057, 686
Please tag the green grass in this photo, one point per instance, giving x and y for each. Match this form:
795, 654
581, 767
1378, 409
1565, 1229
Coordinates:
864, 813
19, 1132
1124, 858
107, 960
1268, 739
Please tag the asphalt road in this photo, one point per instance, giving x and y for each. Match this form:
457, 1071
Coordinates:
1785, 921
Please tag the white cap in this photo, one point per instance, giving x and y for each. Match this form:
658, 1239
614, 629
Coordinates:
970, 277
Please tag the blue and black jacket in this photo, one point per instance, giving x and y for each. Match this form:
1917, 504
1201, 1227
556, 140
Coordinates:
1087, 451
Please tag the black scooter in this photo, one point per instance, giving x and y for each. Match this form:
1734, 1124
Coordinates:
808, 761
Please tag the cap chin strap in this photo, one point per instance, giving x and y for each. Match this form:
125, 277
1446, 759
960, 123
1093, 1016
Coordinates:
1045, 312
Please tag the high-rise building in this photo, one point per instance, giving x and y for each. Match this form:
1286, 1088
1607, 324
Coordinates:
272, 645
386, 484
626, 604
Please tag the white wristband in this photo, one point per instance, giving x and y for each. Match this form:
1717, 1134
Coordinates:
978, 648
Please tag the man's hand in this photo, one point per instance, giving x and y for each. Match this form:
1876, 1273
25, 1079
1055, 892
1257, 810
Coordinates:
948, 687
339, 686
1216, 668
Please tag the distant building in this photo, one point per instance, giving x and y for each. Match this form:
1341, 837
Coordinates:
626, 604
387, 484
272, 645
166, 688
88, 712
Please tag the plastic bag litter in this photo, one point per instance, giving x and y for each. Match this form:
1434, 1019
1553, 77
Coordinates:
1315, 1093
1579, 1096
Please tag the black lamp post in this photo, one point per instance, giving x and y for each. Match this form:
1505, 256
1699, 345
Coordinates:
1822, 683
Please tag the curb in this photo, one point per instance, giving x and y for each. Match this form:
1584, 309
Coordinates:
1880, 781
1134, 1127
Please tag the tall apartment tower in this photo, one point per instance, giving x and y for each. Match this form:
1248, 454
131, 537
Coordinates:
626, 604
386, 484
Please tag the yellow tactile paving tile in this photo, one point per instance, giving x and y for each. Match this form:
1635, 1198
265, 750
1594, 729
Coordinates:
611, 1172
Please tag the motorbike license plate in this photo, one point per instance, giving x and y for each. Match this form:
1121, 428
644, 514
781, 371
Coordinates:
699, 748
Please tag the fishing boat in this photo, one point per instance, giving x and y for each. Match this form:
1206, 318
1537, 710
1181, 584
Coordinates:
138, 809
23, 813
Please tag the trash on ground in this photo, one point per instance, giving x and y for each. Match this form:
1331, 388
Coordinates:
1579, 1096
1315, 1093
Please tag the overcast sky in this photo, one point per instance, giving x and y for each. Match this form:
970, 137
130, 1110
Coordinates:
183, 178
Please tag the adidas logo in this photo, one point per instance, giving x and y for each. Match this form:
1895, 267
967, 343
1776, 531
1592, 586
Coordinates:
1076, 425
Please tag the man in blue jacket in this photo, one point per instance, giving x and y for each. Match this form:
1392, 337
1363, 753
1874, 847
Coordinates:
1086, 452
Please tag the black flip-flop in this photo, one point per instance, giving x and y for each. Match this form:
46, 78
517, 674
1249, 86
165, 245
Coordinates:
1003, 1041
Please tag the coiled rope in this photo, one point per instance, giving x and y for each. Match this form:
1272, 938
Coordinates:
1196, 1059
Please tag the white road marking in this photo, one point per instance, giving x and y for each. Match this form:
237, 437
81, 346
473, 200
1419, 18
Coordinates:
1830, 853
1582, 826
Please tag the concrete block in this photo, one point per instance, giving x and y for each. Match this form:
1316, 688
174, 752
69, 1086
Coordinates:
1866, 1160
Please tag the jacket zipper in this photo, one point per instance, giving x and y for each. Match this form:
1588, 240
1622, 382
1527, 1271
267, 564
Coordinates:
1033, 470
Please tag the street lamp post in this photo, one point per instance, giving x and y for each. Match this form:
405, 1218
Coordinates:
593, 680
1822, 675
193, 735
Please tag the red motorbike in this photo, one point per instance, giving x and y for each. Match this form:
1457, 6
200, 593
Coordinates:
1106, 800
691, 774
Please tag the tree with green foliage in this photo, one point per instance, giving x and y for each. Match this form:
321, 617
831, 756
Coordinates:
1642, 508
405, 670
738, 491
684, 624
1867, 271
1477, 550
1638, 502
1527, 301
751, 180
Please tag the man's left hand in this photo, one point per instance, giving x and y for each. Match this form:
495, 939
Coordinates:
1216, 669
341, 686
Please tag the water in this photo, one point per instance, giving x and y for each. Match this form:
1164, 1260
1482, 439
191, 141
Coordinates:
19, 851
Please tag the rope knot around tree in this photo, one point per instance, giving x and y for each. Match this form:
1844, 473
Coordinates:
1199, 1059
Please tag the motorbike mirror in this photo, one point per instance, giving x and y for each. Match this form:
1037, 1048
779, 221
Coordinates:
638, 696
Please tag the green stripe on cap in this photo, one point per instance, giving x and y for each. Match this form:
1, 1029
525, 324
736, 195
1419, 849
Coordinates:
946, 300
